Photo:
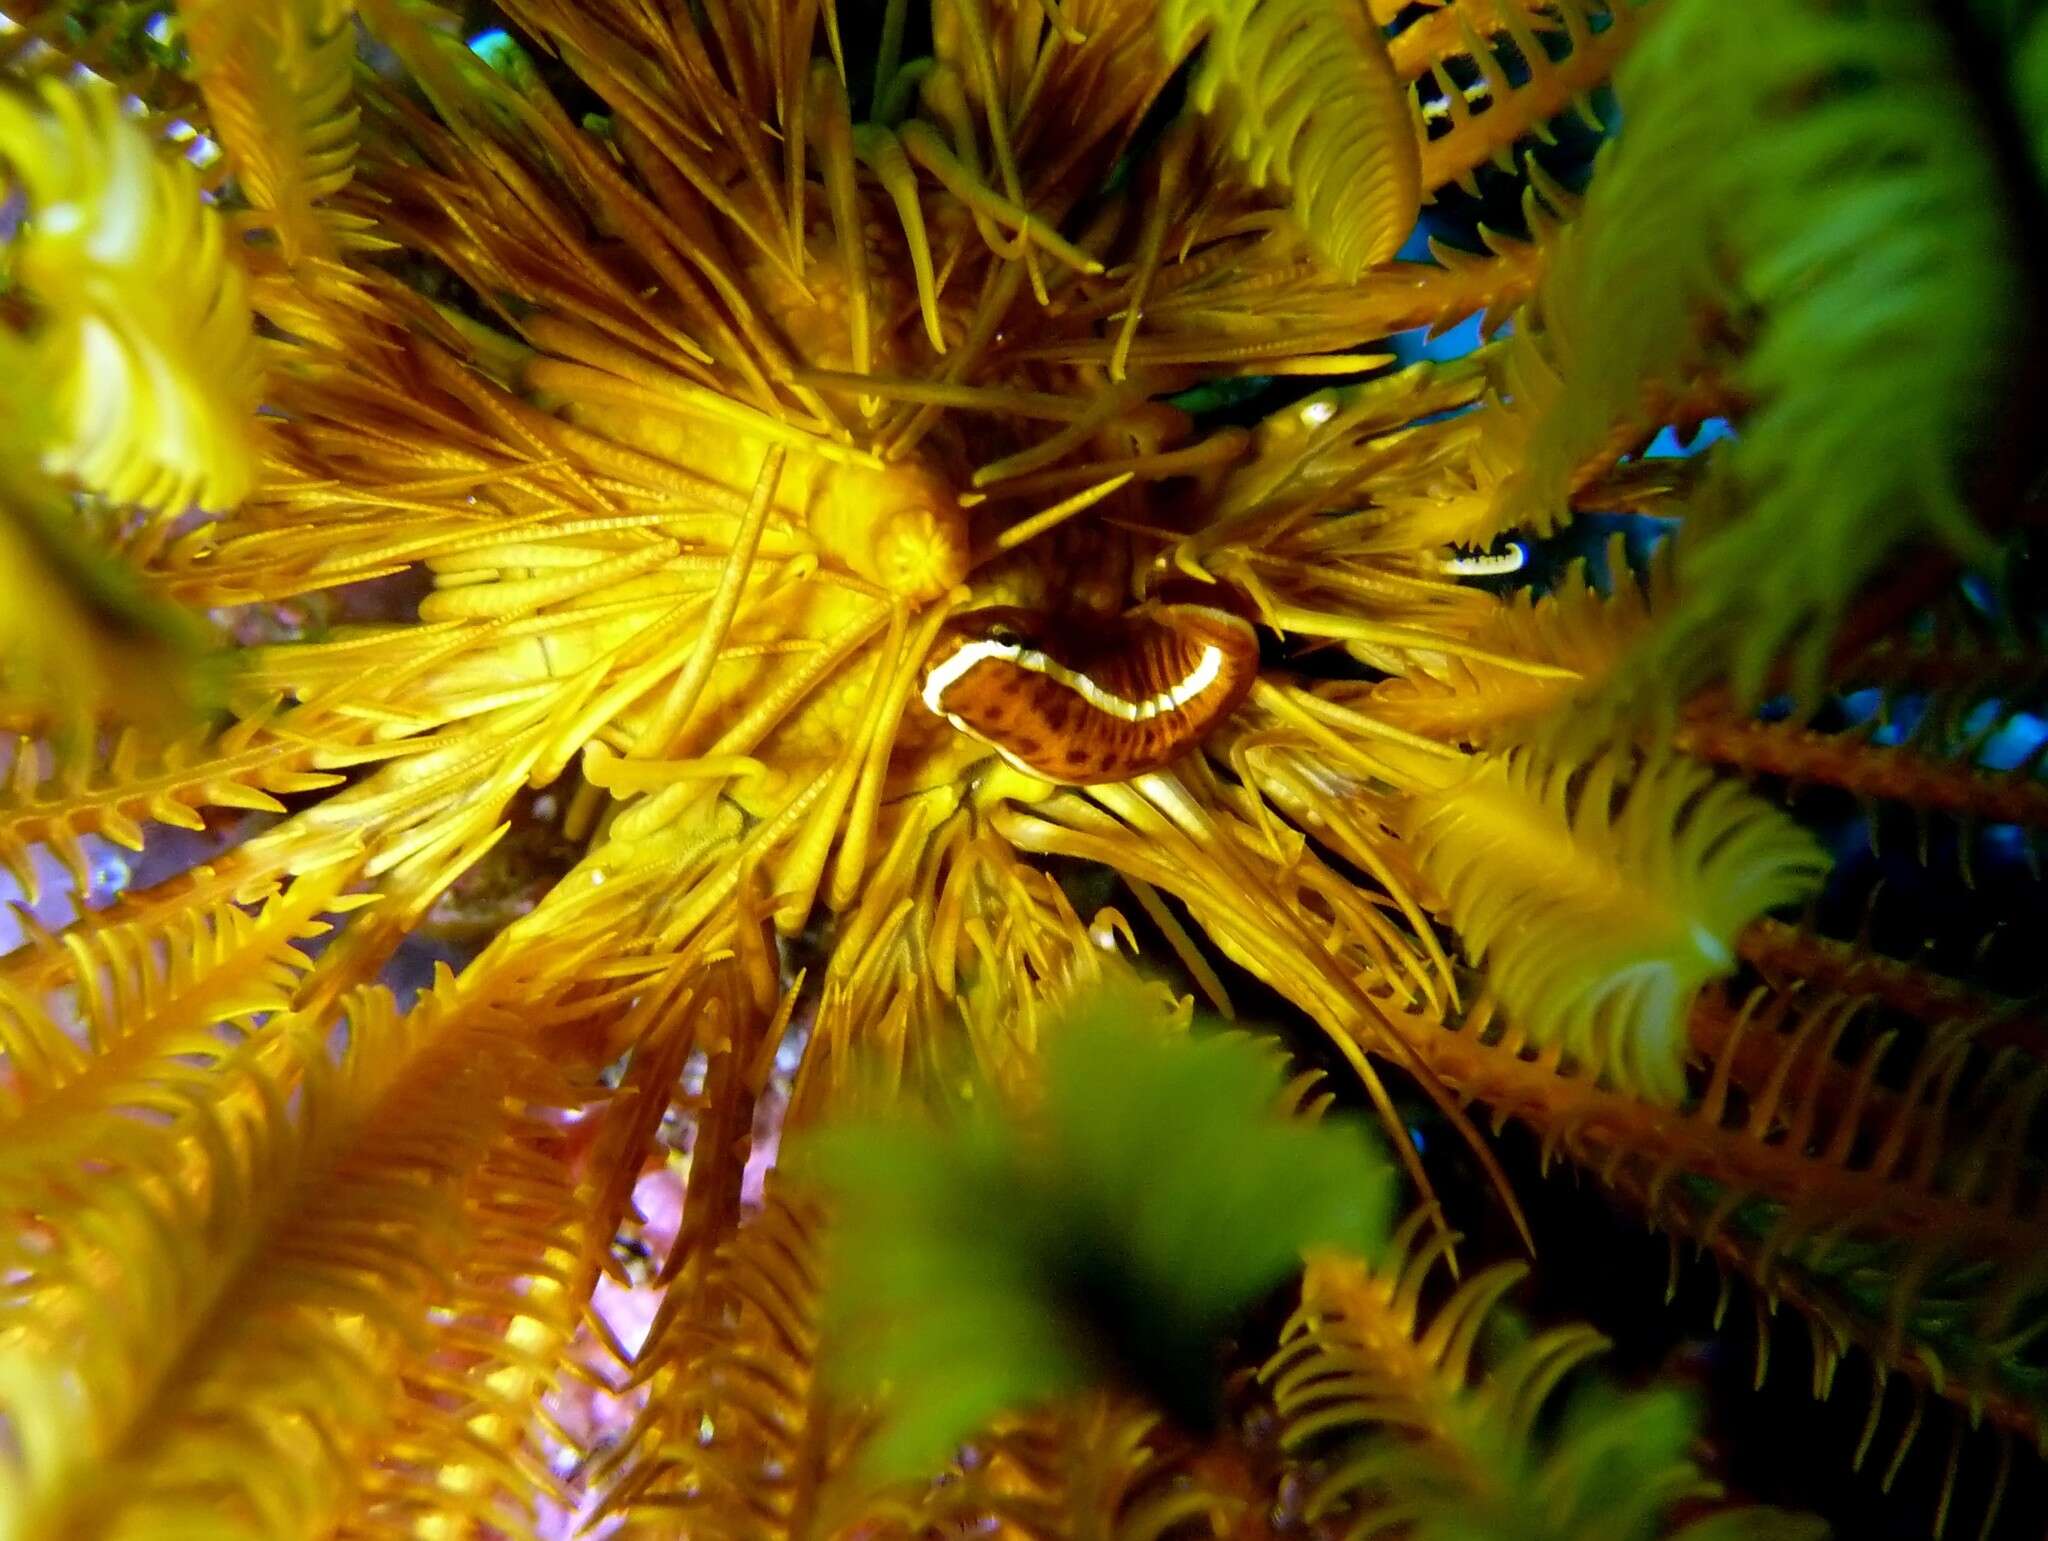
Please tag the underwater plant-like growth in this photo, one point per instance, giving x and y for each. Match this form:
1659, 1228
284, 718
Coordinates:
587, 584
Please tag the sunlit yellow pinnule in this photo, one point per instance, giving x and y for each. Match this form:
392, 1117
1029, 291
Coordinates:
277, 77
141, 319
1643, 877
594, 428
1311, 101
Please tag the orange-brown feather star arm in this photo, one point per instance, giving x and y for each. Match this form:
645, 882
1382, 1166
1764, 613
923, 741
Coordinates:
1105, 704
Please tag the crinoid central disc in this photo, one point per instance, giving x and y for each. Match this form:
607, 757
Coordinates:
899, 526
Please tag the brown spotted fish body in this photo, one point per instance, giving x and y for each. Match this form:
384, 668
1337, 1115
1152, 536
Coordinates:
1091, 702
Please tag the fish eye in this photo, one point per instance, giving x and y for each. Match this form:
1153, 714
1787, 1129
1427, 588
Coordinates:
1005, 634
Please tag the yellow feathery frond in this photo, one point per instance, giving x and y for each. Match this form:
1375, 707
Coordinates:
282, 1222
1332, 448
752, 1382
143, 992
1310, 99
957, 954
143, 334
168, 782
1439, 1446
464, 1438
276, 75
1480, 702
1362, 1355
148, 916
120, 1200
1538, 62
1600, 900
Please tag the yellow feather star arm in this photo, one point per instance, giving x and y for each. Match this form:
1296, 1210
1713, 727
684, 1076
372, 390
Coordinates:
466, 1434
277, 78
1600, 900
1477, 701
1361, 1355
144, 329
923, 958
54, 38
776, 1433
1579, 365
149, 916
1441, 1445
1267, 299
752, 1382
153, 993
244, 766
1487, 120
1310, 100
1796, 1128
287, 1222
1446, 31
1924, 773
